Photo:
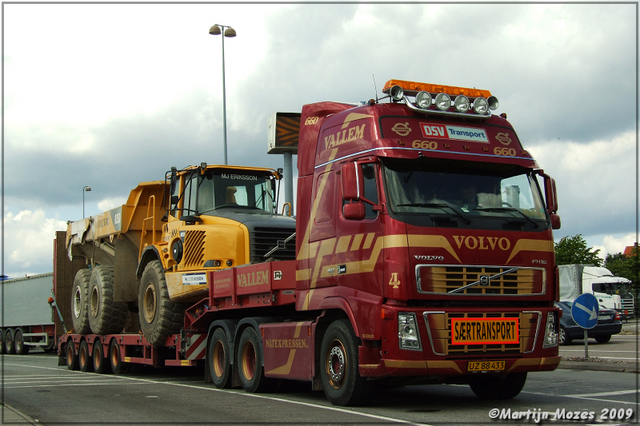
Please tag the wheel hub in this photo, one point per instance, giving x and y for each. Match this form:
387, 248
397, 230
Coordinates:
336, 364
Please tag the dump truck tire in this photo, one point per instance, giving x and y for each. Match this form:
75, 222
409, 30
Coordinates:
159, 316
105, 315
79, 302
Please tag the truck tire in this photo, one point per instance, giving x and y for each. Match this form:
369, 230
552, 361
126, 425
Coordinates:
105, 315
100, 363
84, 357
2, 342
249, 363
79, 302
341, 379
498, 388
18, 343
72, 357
118, 366
218, 358
159, 316
8, 341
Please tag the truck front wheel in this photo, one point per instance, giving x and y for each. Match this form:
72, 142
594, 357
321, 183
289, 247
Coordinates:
159, 316
498, 387
341, 380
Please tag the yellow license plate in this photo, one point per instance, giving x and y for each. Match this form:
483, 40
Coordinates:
486, 366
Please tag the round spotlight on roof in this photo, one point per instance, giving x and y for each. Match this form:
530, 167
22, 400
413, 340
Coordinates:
424, 99
443, 101
396, 93
493, 103
462, 103
481, 106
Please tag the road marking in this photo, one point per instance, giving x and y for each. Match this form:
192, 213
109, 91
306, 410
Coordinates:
612, 393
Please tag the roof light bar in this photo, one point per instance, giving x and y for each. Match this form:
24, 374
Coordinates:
437, 99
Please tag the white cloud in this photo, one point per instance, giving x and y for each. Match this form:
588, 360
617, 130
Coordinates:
111, 203
28, 241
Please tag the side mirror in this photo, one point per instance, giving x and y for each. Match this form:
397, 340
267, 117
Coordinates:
353, 211
352, 182
555, 221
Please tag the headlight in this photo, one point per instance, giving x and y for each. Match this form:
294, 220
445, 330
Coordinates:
408, 332
396, 93
550, 335
443, 101
481, 106
462, 103
424, 99
493, 103
177, 250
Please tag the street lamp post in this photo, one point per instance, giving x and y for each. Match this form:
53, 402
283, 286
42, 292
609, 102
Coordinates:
84, 189
226, 31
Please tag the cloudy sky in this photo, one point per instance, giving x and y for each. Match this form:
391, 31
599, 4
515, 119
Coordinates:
109, 95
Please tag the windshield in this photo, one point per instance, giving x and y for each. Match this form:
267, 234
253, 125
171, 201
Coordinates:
233, 189
478, 195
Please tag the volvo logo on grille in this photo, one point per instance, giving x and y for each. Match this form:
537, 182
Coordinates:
484, 280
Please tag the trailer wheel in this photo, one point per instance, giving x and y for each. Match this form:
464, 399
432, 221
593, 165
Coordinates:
118, 366
498, 387
18, 343
249, 363
79, 302
2, 341
84, 357
341, 380
72, 357
218, 359
159, 316
105, 315
8, 341
100, 363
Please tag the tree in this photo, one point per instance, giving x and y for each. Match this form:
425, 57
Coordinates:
623, 265
570, 250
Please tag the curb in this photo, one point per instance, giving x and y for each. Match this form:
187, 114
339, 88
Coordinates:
597, 364
13, 416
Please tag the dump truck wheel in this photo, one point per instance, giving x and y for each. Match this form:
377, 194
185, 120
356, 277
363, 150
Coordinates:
249, 363
72, 358
18, 343
8, 341
159, 316
498, 387
79, 302
218, 358
341, 380
100, 363
105, 315
118, 366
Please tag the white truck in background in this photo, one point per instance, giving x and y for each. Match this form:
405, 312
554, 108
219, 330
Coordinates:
27, 317
611, 291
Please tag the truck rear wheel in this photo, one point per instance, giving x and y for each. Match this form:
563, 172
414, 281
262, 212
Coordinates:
8, 341
498, 387
84, 357
105, 315
79, 302
159, 316
72, 358
341, 380
118, 366
18, 343
249, 362
218, 358
100, 363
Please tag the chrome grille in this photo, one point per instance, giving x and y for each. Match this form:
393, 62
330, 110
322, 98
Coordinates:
479, 280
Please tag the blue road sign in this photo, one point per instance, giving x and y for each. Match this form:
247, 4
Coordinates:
584, 310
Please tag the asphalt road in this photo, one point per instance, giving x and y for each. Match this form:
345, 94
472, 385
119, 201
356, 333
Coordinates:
50, 394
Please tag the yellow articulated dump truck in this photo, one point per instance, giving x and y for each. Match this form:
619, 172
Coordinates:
149, 258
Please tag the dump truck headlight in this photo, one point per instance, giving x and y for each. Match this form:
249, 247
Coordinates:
408, 332
176, 250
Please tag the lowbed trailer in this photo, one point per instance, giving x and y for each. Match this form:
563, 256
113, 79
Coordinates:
423, 254
27, 314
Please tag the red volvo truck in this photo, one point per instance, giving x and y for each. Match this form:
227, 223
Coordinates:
424, 254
